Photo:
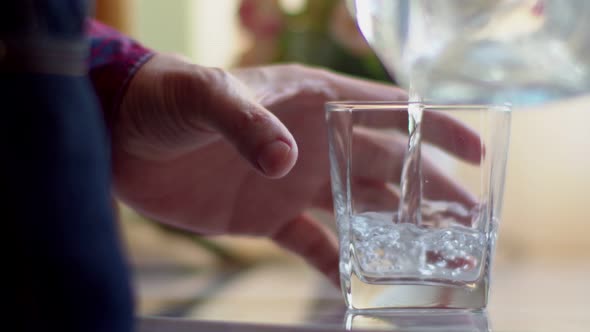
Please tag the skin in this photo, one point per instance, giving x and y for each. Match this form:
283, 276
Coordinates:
245, 152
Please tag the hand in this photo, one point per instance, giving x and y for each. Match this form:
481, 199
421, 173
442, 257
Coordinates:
201, 149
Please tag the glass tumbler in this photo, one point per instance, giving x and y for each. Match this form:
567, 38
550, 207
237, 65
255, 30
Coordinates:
417, 190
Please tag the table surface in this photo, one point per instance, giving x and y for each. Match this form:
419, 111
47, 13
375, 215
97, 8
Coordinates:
286, 295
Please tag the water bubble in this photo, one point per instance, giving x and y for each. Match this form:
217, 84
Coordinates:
388, 249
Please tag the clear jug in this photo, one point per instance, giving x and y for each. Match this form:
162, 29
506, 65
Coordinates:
522, 52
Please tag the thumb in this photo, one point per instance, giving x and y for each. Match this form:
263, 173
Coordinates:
172, 106
227, 106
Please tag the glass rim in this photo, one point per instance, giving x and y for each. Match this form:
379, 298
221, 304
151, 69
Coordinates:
354, 105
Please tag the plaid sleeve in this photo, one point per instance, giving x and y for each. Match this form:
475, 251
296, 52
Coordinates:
114, 58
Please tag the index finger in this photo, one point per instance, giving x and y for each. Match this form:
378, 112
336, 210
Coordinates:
438, 128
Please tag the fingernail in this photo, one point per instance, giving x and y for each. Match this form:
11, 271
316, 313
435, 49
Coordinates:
272, 157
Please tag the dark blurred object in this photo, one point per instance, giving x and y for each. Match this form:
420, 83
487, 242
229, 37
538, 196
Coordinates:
322, 34
38, 18
66, 270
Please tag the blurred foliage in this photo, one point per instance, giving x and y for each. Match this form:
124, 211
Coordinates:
321, 33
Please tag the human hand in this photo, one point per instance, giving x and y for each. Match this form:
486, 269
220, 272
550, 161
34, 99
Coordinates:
201, 149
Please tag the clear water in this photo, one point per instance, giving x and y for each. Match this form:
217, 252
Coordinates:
482, 51
411, 178
404, 250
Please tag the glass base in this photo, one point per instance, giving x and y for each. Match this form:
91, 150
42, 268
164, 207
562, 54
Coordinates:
360, 295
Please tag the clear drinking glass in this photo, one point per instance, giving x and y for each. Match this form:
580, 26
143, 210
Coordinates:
441, 257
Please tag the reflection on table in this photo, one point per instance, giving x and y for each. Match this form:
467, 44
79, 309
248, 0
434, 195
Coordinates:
419, 321
406, 321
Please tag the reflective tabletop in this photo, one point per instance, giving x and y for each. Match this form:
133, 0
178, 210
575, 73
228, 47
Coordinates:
267, 289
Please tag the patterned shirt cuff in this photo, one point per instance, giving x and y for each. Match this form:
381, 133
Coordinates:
114, 59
